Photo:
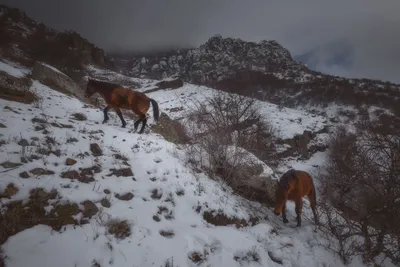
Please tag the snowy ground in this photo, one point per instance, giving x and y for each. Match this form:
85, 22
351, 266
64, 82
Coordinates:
165, 194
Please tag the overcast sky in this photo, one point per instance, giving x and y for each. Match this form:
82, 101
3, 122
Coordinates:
370, 28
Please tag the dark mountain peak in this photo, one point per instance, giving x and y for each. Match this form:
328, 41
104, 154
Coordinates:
218, 44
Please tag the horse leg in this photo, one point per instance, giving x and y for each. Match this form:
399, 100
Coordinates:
313, 206
144, 122
119, 113
299, 207
105, 111
285, 220
142, 114
136, 123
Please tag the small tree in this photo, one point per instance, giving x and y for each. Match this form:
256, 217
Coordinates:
224, 127
362, 181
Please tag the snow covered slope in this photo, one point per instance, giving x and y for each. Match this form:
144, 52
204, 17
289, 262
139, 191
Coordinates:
289, 122
138, 178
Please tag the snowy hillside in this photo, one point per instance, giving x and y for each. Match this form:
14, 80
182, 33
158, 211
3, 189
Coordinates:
265, 70
87, 194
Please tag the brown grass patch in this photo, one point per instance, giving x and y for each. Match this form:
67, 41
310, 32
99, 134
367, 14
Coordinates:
11, 89
167, 233
220, 219
9, 191
173, 131
197, 257
79, 116
180, 192
61, 125
25, 97
125, 197
119, 228
155, 194
124, 172
19, 216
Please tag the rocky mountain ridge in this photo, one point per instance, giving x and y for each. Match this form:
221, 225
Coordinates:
216, 60
265, 70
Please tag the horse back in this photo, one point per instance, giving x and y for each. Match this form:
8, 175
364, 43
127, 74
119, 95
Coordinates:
126, 98
304, 184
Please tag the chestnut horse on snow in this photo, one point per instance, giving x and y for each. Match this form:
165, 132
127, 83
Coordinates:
294, 185
118, 97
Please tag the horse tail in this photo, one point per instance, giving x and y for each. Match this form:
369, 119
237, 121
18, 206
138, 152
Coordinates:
156, 111
313, 191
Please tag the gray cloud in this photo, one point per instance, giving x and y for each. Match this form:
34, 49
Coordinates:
370, 27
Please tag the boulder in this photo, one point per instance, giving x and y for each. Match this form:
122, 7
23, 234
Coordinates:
172, 130
14, 88
95, 149
55, 79
170, 83
299, 144
251, 177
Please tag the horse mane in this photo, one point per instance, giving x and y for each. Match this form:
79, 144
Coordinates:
104, 84
284, 180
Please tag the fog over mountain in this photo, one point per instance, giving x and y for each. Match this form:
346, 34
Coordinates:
368, 28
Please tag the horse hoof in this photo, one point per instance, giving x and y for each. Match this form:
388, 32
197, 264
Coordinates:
285, 221
298, 225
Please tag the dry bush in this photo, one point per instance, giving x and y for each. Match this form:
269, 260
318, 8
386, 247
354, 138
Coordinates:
172, 130
224, 128
23, 214
361, 187
119, 228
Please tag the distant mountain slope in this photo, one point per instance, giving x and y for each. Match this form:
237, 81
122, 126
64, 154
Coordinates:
265, 70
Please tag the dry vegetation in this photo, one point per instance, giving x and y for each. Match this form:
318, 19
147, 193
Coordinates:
224, 129
318, 91
172, 130
119, 228
361, 192
21, 215
220, 219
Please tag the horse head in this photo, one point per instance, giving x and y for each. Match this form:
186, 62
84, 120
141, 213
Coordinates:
285, 185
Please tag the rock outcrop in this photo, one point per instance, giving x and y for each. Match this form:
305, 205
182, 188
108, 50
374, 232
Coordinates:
55, 79
24, 40
170, 84
16, 88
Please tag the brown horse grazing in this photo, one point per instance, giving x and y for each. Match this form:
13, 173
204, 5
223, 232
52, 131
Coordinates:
294, 185
118, 97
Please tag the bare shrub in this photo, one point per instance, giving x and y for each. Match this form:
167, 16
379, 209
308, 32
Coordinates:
119, 228
361, 187
224, 129
172, 130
